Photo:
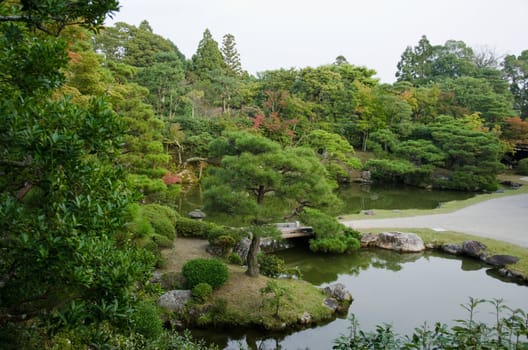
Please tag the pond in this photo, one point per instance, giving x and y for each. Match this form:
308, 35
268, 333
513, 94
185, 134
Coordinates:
404, 290
357, 197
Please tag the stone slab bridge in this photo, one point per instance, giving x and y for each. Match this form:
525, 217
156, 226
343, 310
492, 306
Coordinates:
294, 230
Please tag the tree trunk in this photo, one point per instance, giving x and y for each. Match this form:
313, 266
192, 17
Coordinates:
254, 248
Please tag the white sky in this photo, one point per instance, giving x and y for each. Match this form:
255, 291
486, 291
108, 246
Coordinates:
272, 34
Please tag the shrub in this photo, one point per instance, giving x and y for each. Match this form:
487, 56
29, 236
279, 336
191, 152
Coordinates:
201, 292
234, 259
152, 247
162, 241
271, 265
193, 228
146, 320
323, 224
209, 271
522, 167
161, 218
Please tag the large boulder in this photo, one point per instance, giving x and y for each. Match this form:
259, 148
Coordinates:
369, 240
402, 242
474, 249
339, 292
196, 214
175, 300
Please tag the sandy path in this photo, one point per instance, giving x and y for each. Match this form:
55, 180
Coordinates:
504, 218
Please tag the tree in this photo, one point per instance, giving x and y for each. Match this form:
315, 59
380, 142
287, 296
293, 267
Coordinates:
63, 200
207, 59
415, 63
257, 177
516, 70
231, 56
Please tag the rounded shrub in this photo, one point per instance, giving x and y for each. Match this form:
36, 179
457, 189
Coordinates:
201, 292
271, 265
210, 271
161, 218
234, 259
193, 228
146, 320
522, 167
162, 241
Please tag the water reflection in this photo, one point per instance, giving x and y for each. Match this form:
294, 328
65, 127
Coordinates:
404, 290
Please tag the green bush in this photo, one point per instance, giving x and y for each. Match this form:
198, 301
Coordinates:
146, 320
161, 218
162, 241
186, 227
334, 245
522, 167
201, 292
271, 265
210, 271
234, 259
322, 224
152, 247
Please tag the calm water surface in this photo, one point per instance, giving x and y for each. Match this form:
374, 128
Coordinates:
404, 290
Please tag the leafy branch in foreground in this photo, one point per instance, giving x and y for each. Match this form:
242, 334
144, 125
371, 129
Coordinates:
510, 331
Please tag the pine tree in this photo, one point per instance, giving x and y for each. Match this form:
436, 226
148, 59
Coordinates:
231, 55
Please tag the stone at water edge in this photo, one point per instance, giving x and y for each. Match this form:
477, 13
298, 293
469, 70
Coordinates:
175, 300
403, 242
450, 248
369, 240
331, 303
306, 318
501, 260
338, 292
474, 249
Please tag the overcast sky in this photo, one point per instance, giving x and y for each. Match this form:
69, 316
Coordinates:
272, 34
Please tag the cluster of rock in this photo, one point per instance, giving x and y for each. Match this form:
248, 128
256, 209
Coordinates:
339, 298
477, 250
403, 242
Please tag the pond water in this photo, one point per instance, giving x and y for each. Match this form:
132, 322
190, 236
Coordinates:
357, 197
404, 290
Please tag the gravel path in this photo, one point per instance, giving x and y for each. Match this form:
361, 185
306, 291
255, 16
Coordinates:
504, 218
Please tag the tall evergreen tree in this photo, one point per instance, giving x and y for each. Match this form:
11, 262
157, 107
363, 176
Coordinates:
208, 59
231, 55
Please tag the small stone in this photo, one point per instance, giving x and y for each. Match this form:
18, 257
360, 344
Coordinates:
369, 212
331, 303
455, 249
306, 318
338, 292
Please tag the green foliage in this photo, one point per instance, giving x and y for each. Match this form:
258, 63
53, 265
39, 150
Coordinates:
186, 227
271, 265
201, 292
172, 280
323, 225
506, 333
146, 320
522, 167
210, 271
276, 292
161, 218
162, 241
234, 259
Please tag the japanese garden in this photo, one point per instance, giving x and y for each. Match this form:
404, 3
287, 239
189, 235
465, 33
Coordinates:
151, 200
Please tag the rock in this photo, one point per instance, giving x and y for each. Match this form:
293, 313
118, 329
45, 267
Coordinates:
331, 303
369, 240
306, 318
369, 212
338, 292
501, 260
156, 277
431, 246
474, 249
175, 300
401, 242
242, 249
196, 214
450, 248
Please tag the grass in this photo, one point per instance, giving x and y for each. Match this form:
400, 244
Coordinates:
242, 296
447, 207
244, 302
493, 246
